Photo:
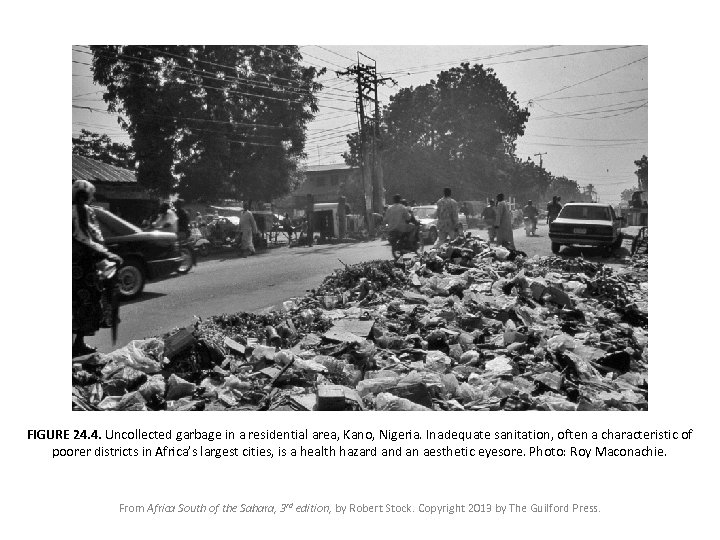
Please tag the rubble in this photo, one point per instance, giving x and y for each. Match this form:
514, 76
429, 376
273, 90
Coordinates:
465, 327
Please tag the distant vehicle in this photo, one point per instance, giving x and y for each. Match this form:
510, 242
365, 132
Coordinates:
586, 224
427, 216
147, 255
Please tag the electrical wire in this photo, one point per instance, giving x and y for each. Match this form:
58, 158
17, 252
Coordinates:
207, 75
333, 52
590, 78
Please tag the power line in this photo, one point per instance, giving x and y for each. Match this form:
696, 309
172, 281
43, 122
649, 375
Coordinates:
333, 52
594, 108
300, 85
590, 95
207, 120
253, 83
579, 115
475, 59
582, 139
615, 145
306, 54
536, 58
590, 78
224, 89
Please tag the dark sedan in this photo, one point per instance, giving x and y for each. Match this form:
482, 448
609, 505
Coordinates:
586, 224
147, 255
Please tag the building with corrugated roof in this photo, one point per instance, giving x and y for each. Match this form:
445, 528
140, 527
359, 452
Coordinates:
324, 183
117, 189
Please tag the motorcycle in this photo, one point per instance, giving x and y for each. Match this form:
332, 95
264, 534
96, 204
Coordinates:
530, 226
186, 251
402, 243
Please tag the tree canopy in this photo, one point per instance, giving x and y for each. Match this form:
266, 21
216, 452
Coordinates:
211, 121
626, 194
102, 148
567, 189
457, 131
642, 172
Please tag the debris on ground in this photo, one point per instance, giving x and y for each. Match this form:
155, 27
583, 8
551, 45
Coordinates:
465, 327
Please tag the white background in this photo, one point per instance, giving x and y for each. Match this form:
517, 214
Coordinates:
661, 497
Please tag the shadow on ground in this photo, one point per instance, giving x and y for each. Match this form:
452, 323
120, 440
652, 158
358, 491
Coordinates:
142, 298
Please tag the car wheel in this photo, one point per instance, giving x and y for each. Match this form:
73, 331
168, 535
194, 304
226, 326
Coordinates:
433, 236
131, 279
617, 243
203, 250
555, 247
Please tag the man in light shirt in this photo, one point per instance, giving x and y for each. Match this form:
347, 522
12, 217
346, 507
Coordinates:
397, 216
168, 220
447, 218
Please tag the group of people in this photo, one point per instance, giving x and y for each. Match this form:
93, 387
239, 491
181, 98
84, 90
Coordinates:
400, 219
498, 218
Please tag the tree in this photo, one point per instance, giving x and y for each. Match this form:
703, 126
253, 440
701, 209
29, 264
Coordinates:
626, 194
567, 189
102, 148
642, 172
211, 121
457, 131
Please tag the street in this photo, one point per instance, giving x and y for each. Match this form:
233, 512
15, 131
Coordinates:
228, 283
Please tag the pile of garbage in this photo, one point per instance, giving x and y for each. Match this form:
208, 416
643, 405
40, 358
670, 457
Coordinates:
467, 327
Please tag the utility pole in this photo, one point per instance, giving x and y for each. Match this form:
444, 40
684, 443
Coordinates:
541, 154
369, 152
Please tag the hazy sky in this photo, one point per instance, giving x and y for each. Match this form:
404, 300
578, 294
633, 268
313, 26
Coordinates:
589, 111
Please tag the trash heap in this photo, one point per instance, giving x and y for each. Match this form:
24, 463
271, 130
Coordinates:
467, 327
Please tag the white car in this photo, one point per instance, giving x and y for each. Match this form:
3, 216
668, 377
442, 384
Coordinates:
586, 224
427, 216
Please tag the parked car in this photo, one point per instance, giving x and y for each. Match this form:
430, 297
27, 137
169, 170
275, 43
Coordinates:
427, 216
147, 255
586, 224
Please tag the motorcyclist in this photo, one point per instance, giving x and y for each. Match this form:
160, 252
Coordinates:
412, 221
531, 213
397, 218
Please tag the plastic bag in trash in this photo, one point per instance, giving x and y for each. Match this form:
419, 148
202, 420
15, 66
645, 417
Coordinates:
389, 402
137, 354
373, 386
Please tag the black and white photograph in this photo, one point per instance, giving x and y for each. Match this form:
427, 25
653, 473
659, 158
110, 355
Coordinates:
360, 228
375, 208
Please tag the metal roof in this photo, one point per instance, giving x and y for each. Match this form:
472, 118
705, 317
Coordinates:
95, 171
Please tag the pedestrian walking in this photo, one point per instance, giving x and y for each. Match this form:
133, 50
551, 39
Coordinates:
91, 306
553, 209
309, 210
342, 212
288, 227
248, 230
167, 220
183, 220
447, 217
503, 223
488, 217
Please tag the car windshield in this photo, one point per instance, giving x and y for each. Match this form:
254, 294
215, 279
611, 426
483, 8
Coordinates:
111, 225
424, 212
589, 213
